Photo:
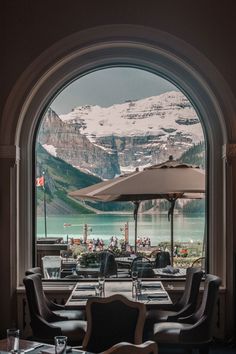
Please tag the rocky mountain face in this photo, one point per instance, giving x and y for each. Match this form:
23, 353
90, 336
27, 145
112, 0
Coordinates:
65, 141
112, 140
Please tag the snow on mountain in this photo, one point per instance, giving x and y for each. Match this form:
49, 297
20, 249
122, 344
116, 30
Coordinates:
162, 116
51, 149
116, 139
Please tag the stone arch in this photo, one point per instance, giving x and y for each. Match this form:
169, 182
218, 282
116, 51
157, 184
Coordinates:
136, 46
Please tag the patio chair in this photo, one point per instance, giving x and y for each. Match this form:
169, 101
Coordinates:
108, 265
199, 263
194, 331
52, 267
185, 306
148, 347
59, 310
162, 259
112, 320
143, 266
45, 323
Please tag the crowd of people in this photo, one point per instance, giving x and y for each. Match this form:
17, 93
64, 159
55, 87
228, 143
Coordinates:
96, 244
143, 242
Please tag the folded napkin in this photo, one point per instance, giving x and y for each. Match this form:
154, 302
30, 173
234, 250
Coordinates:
157, 296
85, 286
151, 286
81, 296
77, 300
170, 270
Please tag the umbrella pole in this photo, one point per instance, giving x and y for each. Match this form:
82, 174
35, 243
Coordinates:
171, 218
136, 207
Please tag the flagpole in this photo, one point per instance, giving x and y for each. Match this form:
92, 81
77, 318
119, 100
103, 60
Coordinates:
45, 207
171, 219
136, 207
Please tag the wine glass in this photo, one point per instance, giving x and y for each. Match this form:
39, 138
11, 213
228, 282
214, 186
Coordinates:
134, 276
101, 283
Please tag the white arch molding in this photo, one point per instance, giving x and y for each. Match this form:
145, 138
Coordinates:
141, 47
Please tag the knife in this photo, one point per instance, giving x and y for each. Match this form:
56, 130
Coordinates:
33, 348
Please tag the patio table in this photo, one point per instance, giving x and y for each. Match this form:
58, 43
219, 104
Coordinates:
87, 271
180, 274
126, 260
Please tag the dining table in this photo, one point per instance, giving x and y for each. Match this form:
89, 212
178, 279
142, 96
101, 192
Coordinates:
151, 293
33, 347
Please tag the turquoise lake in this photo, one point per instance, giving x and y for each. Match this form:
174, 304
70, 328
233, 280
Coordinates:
157, 227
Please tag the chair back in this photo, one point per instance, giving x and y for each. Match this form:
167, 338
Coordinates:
203, 318
36, 299
191, 290
34, 270
52, 266
148, 347
162, 259
209, 298
50, 304
108, 265
143, 266
199, 263
112, 320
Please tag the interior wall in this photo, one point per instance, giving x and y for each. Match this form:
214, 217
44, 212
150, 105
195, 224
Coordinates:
29, 28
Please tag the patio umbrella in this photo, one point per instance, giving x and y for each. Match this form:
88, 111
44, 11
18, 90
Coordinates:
170, 180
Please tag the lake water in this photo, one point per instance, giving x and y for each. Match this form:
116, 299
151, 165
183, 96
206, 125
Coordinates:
157, 227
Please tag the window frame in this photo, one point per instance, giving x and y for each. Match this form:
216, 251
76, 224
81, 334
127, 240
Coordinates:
205, 237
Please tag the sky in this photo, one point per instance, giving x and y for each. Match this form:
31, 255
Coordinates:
109, 86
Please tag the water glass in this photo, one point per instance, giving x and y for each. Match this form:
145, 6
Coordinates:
13, 336
134, 275
60, 344
98, 290
139, 288
101, 283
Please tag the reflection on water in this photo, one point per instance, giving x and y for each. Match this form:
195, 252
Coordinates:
157, 227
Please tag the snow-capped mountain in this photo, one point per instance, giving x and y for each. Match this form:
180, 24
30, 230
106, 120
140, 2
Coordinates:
150, 116
108, 141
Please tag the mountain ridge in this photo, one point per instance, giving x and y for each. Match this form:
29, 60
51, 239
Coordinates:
117, 139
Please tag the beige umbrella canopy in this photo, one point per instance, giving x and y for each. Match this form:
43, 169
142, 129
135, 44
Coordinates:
169, 180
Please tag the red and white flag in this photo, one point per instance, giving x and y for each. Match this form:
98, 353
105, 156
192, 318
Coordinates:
40, 181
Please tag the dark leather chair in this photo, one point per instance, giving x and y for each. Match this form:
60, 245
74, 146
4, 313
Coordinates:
185, 306
162, 259
112, 320
56, 308
148, 347
108, 265
46, 324
194, 331
143, 267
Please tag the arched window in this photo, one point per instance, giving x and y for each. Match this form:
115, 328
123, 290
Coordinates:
109, 122
140, 47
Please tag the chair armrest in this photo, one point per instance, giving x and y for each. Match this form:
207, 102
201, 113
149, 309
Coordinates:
188, 319
183, 313
54, 318
54, 306
42, 327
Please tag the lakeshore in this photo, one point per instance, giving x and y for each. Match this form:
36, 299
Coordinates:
188, 229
